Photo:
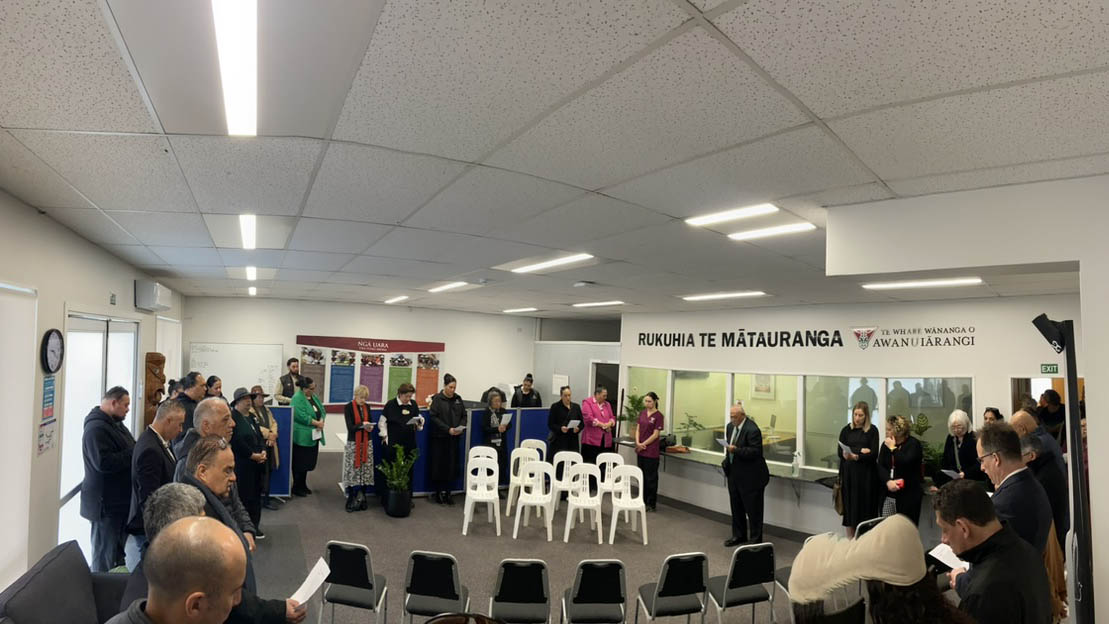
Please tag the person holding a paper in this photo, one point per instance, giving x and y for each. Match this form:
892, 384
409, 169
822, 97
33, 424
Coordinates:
564, 423
858, 469
308, 417
960, 453
747, 474
448, 414
358, 455
495, 423
399, 422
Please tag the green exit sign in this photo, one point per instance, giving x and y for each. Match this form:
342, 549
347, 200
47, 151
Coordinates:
1049, 369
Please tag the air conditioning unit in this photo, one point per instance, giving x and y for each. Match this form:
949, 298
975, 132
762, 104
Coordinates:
152, 296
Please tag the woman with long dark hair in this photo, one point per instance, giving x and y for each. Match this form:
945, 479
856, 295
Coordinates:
215, 387
647, 448
448, 414
858, 469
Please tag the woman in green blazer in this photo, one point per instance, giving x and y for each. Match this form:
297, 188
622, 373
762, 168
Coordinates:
308, 417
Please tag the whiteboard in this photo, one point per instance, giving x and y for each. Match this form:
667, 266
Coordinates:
238, 365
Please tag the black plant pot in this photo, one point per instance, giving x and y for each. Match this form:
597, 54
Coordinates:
398, 503
687, 440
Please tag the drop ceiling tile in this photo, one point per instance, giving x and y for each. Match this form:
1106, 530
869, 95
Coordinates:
193, 256
93, 225
117, 172
137, 255
363, 183
24, 175
165, 228
1014, 174
689, 97
61, 69
359, 279
375, 265
484, 198
202, 275
315, 260
800, 161
253, 257
270, 232
840, 56
335, 236
588, 218
794, 245
455, 78
247, 175
261, 274
299, 275
1037, 121
462, 249
871, 191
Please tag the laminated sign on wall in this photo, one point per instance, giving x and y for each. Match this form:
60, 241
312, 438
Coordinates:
339, 364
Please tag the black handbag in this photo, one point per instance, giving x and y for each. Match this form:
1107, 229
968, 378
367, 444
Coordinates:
666, 441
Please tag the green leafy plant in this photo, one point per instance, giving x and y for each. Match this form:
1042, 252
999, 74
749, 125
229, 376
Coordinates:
933, 454
398, 471
691, 423
633, 405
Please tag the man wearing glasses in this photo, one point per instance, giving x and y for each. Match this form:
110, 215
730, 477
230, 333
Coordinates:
1019, 499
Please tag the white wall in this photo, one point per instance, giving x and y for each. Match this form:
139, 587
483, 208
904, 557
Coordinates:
69, 273
481, 349
17, 335
573, 359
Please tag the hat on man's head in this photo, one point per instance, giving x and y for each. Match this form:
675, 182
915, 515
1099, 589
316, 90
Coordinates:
891, 552
257, 391
241, 393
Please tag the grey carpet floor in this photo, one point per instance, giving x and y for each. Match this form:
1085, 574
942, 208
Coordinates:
298, 532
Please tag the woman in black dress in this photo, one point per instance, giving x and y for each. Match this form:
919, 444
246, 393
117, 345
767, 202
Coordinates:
496, 434
394, 429
448, 414
899, 468
563, 438
858, 472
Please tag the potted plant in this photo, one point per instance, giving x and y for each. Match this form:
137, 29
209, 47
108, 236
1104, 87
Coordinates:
933, 454
398, 477
633, 405
691, 424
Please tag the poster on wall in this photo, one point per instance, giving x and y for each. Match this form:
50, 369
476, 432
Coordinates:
373, 376
47, 436
313, 366
342, 376
400, 371
763, 387
427, 376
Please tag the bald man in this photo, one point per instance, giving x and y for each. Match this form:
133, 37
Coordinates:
747, 476
1025, 423
195, 568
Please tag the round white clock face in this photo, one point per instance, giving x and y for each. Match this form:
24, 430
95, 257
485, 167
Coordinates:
54, 351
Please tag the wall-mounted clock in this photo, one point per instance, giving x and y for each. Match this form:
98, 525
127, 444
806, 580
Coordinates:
53, 350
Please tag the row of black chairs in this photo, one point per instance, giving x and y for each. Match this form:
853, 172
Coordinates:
521, 595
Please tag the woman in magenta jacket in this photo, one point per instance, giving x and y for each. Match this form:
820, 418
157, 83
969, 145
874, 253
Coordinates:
600, 426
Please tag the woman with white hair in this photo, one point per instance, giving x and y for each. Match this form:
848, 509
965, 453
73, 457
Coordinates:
358, 456
960, 452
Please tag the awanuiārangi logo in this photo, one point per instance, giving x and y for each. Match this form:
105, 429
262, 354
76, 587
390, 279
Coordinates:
863, 335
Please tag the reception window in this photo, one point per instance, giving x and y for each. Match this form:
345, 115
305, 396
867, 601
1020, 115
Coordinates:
770, 402
700, 409
643, 380
928, 401
828, 405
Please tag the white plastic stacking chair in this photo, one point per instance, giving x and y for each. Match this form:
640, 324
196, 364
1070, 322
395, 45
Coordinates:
581, 499
519, 458
606, 462
476, 452
566, 460
538, 445
627, 500
482, 477
535, 491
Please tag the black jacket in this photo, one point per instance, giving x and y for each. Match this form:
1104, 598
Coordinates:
1055, 486
1007, 582
1022, 502
519, 399
446, 414
746, 465
190, 407
246, 439
250, 610
490, 424
234, 503
107, 447
216, 508
906, 463
152, 466
557, 418
397, 429
968, 460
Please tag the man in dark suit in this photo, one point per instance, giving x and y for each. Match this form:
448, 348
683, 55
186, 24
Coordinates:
193, 390
1053, 481
747, 476
106, 446
1019, 499
152, 466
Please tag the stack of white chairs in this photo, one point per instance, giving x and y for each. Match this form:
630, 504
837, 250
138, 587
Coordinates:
519, 458
627, 496
582, 499
536, 491
539, 445
563, 462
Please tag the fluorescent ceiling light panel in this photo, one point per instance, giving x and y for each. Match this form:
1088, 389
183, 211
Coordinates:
515, 310
251, 273
539, 266
724, 295
597, 304
248, 226
803, 226
733, 215
252, 291
396, 299
447, 287
236, 24
929, 283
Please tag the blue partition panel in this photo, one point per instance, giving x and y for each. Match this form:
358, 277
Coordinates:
281, 478
533, 423
421, 479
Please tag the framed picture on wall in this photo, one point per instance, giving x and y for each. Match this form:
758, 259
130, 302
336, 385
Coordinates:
762, 387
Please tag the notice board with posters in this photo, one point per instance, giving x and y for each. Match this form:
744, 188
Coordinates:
339, 364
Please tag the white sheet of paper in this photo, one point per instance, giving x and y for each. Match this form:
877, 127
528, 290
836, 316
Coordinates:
461, 427
844, 449
572, 424
507, 418
312, 582
951, 473
722, 442
948, 557
415, 420
317, 434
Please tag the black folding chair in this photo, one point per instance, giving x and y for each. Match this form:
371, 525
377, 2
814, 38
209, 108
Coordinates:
752, 565
680, 589
352, 581
522, 594
865, 526
432, 587
598, 594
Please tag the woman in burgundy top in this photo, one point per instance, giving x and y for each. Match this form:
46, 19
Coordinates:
647, 448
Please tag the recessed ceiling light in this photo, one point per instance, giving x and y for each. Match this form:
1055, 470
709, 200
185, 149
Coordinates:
252, 291
515, 310
539, 266
733, 215
248, 227
597, 304
236, 24
724, 295
929, 283
396, 299
803, 226
450, 286
251, 273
